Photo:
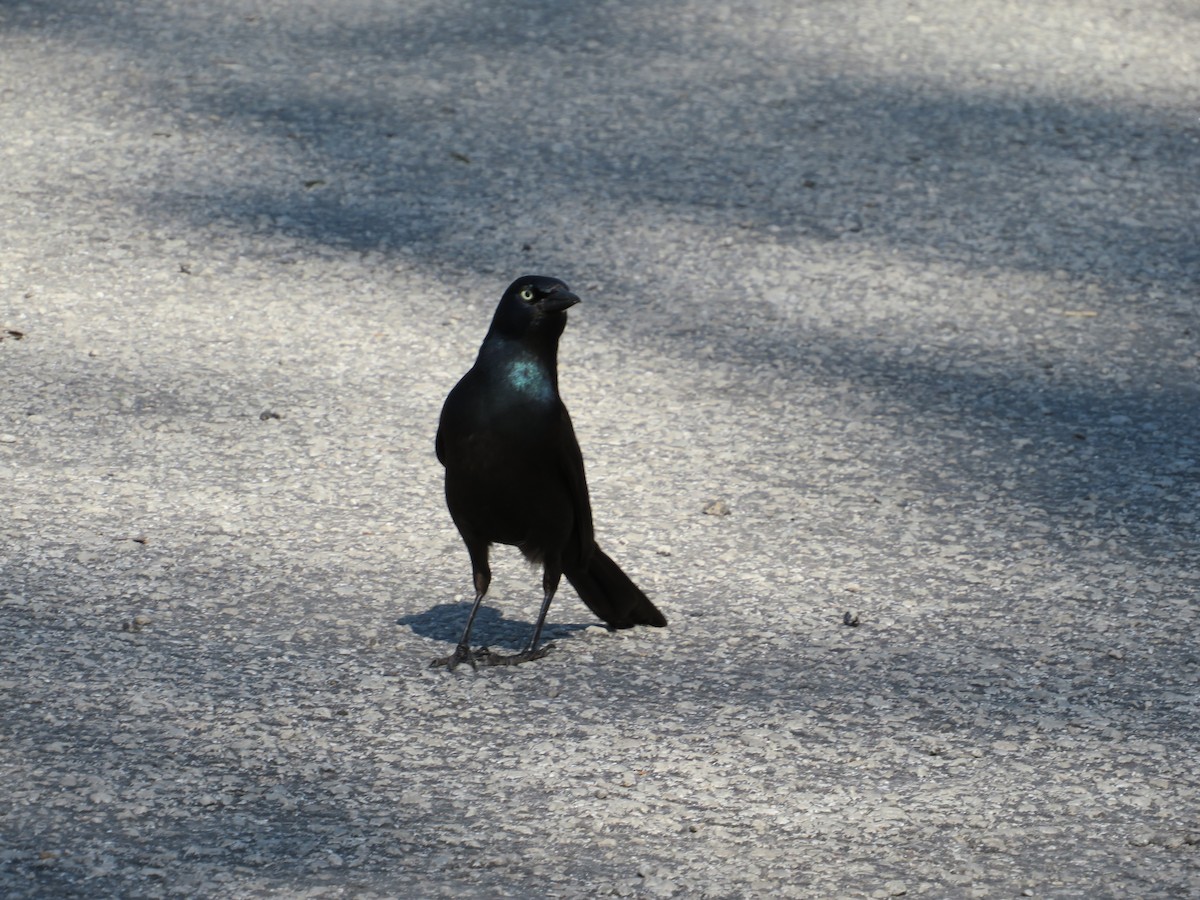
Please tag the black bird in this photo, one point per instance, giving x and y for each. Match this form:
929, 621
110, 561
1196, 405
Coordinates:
514, 472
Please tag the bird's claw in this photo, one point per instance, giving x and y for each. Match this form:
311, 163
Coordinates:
461, 654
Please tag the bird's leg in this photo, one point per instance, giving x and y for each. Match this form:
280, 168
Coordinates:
462, 653
550, 579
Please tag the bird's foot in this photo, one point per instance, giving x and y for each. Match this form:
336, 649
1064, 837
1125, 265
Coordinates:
485, 657
462, 653
488, 658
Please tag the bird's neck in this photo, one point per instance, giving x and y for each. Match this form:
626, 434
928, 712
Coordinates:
530, 370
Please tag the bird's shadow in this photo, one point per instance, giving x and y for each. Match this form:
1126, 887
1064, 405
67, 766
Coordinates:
445, 622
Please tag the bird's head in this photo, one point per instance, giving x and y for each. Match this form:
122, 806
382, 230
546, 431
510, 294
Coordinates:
533, 303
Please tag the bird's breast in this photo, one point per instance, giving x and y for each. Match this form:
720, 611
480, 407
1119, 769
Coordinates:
506, 409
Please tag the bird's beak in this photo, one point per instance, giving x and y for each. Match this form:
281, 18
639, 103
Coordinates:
557, 302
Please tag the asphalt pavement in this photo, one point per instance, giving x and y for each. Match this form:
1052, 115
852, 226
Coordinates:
886, 378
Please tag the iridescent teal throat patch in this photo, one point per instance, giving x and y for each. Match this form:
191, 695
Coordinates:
528, 377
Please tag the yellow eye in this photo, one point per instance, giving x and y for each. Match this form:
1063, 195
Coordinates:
527, 294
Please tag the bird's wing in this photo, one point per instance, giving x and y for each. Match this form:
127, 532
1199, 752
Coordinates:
452, 410
572, 464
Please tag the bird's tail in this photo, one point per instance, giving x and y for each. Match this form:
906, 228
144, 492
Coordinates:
611, 595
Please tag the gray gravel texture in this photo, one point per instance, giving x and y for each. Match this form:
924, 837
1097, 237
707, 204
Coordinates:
890, 310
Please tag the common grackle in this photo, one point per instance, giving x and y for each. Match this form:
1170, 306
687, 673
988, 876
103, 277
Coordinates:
514, 472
